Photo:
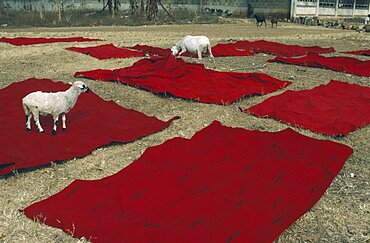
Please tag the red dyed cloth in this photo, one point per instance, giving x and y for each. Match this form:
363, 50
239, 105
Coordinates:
151, 50
360, 52
229, 184
230, 49
239, 48
92, 123
189, 81
273, 48
338, 64
334, 109
20, 41
107, 51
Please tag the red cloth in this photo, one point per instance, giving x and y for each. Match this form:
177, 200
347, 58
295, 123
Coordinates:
224, 184
273, 48
334, 109
92, 123
360, 52
189, 81
20, 41
151, 50
239, 48
230, 49
107, 51
338, 64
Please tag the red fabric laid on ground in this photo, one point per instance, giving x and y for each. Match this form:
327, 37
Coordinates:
92, 123
239, 48
229, 49
190, 81
360, 52
229, 184
107, 51
20, 41
151, 50
338, 64
334, 109
273, 48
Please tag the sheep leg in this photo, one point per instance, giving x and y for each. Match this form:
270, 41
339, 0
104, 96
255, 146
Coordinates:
37, 121
210, 54
28, 114
28, 121
55, 127
64, 121
181, 52
199, 54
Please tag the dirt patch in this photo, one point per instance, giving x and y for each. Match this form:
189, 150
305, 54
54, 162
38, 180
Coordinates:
343, 213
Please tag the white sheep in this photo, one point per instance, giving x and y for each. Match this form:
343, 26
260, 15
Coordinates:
193, 45
43, 103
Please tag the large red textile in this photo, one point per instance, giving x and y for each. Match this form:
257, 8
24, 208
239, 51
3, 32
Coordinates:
335, 109
151, 50
338, 64
247, 48
239, 48
229, 184
20, 41
359, 52
107, 51
230, 49
92, 123
189, 81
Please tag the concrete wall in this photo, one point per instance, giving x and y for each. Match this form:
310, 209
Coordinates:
280, 8
238, 7
332, 8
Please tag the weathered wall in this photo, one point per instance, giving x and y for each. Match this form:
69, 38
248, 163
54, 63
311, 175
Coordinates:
332, 8
238, 7
241, 7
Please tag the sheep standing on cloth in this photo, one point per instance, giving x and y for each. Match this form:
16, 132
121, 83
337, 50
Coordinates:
193, 45
42, 103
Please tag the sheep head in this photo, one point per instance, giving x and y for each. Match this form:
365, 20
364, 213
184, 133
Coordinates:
175, 50
79, 85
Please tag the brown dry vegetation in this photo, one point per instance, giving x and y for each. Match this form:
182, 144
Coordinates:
341, 215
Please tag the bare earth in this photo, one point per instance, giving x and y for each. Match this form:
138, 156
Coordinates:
341, 215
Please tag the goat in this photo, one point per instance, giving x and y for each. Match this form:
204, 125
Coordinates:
260, 20
275, 21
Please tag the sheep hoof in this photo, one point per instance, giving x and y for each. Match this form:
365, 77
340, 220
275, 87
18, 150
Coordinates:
28, 129
54, 132
64, 129
41, 131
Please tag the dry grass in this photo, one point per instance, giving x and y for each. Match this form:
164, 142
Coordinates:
342, 215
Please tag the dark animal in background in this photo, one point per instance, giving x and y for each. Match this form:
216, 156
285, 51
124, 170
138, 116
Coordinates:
274, 21
210, 10
219, 12
227, 13
260, 20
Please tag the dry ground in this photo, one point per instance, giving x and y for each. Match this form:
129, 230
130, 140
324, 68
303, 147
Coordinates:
342, 214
